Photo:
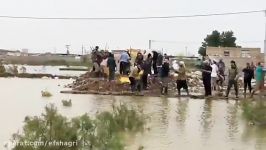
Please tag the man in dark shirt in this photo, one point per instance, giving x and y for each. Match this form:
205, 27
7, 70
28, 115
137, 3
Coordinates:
164, 73
221, 67
147, 70
160, 62
206, 77
112, 66
248, 75
154, 62
139, 59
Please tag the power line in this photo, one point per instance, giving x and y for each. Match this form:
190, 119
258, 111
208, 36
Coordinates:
133, 18
194, 42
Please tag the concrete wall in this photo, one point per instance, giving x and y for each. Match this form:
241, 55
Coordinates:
234, 52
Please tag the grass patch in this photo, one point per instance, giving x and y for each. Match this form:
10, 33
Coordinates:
67, 103
46, 94
255, 112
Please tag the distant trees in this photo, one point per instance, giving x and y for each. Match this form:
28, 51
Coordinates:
2, 67
216, 39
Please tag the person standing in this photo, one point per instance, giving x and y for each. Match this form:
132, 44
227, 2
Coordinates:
154, 62
124, 61
147, 70
248, 75
206, 77
253, 66
139, 59
214, 75
112, 67
221, 67
139, 83
96, 58
129, 62
164, 74
160, 61
104, 68
259, 80
145, 55
134, 77
221, 76
165, 56
232, 79
181, 81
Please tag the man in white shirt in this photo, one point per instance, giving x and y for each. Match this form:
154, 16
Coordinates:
214, 75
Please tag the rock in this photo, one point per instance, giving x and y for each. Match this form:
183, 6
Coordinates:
198, 73
251, 123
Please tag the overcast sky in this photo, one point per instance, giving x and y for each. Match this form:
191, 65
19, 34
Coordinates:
53, 35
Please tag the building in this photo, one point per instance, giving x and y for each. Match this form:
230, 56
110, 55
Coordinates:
240, 55
9, 52
24, 52
233, 52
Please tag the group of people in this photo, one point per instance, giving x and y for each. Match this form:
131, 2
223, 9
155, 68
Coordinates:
213, 75
143, 65
160, 64
213, 72
138, 72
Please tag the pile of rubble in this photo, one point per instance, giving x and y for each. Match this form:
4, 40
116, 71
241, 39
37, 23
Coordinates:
88, 82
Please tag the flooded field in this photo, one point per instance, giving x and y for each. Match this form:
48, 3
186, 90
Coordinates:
174, 123
54, 70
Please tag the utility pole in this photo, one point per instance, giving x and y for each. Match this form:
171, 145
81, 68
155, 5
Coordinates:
150, 44
265, 42
186, 51
82, 50
67, 47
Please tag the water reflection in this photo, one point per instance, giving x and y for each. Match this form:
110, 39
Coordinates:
174, 123
165, 111
206, 119
54, 70
255, 134
231, 119
181, 112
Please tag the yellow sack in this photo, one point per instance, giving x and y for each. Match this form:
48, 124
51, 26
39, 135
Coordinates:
139, 75
124, 79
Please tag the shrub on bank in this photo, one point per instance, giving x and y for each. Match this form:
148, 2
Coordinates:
46, 94
255, 112
67, 103
103, 132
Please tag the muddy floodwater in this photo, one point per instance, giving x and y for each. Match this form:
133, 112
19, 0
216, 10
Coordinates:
174, 123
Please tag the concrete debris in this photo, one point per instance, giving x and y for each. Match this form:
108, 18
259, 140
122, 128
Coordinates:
88, 82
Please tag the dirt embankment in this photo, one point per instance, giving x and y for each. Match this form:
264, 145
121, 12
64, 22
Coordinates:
87, 83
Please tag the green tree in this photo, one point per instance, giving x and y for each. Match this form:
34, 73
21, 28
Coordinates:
228, 39
216, 39
202, 49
